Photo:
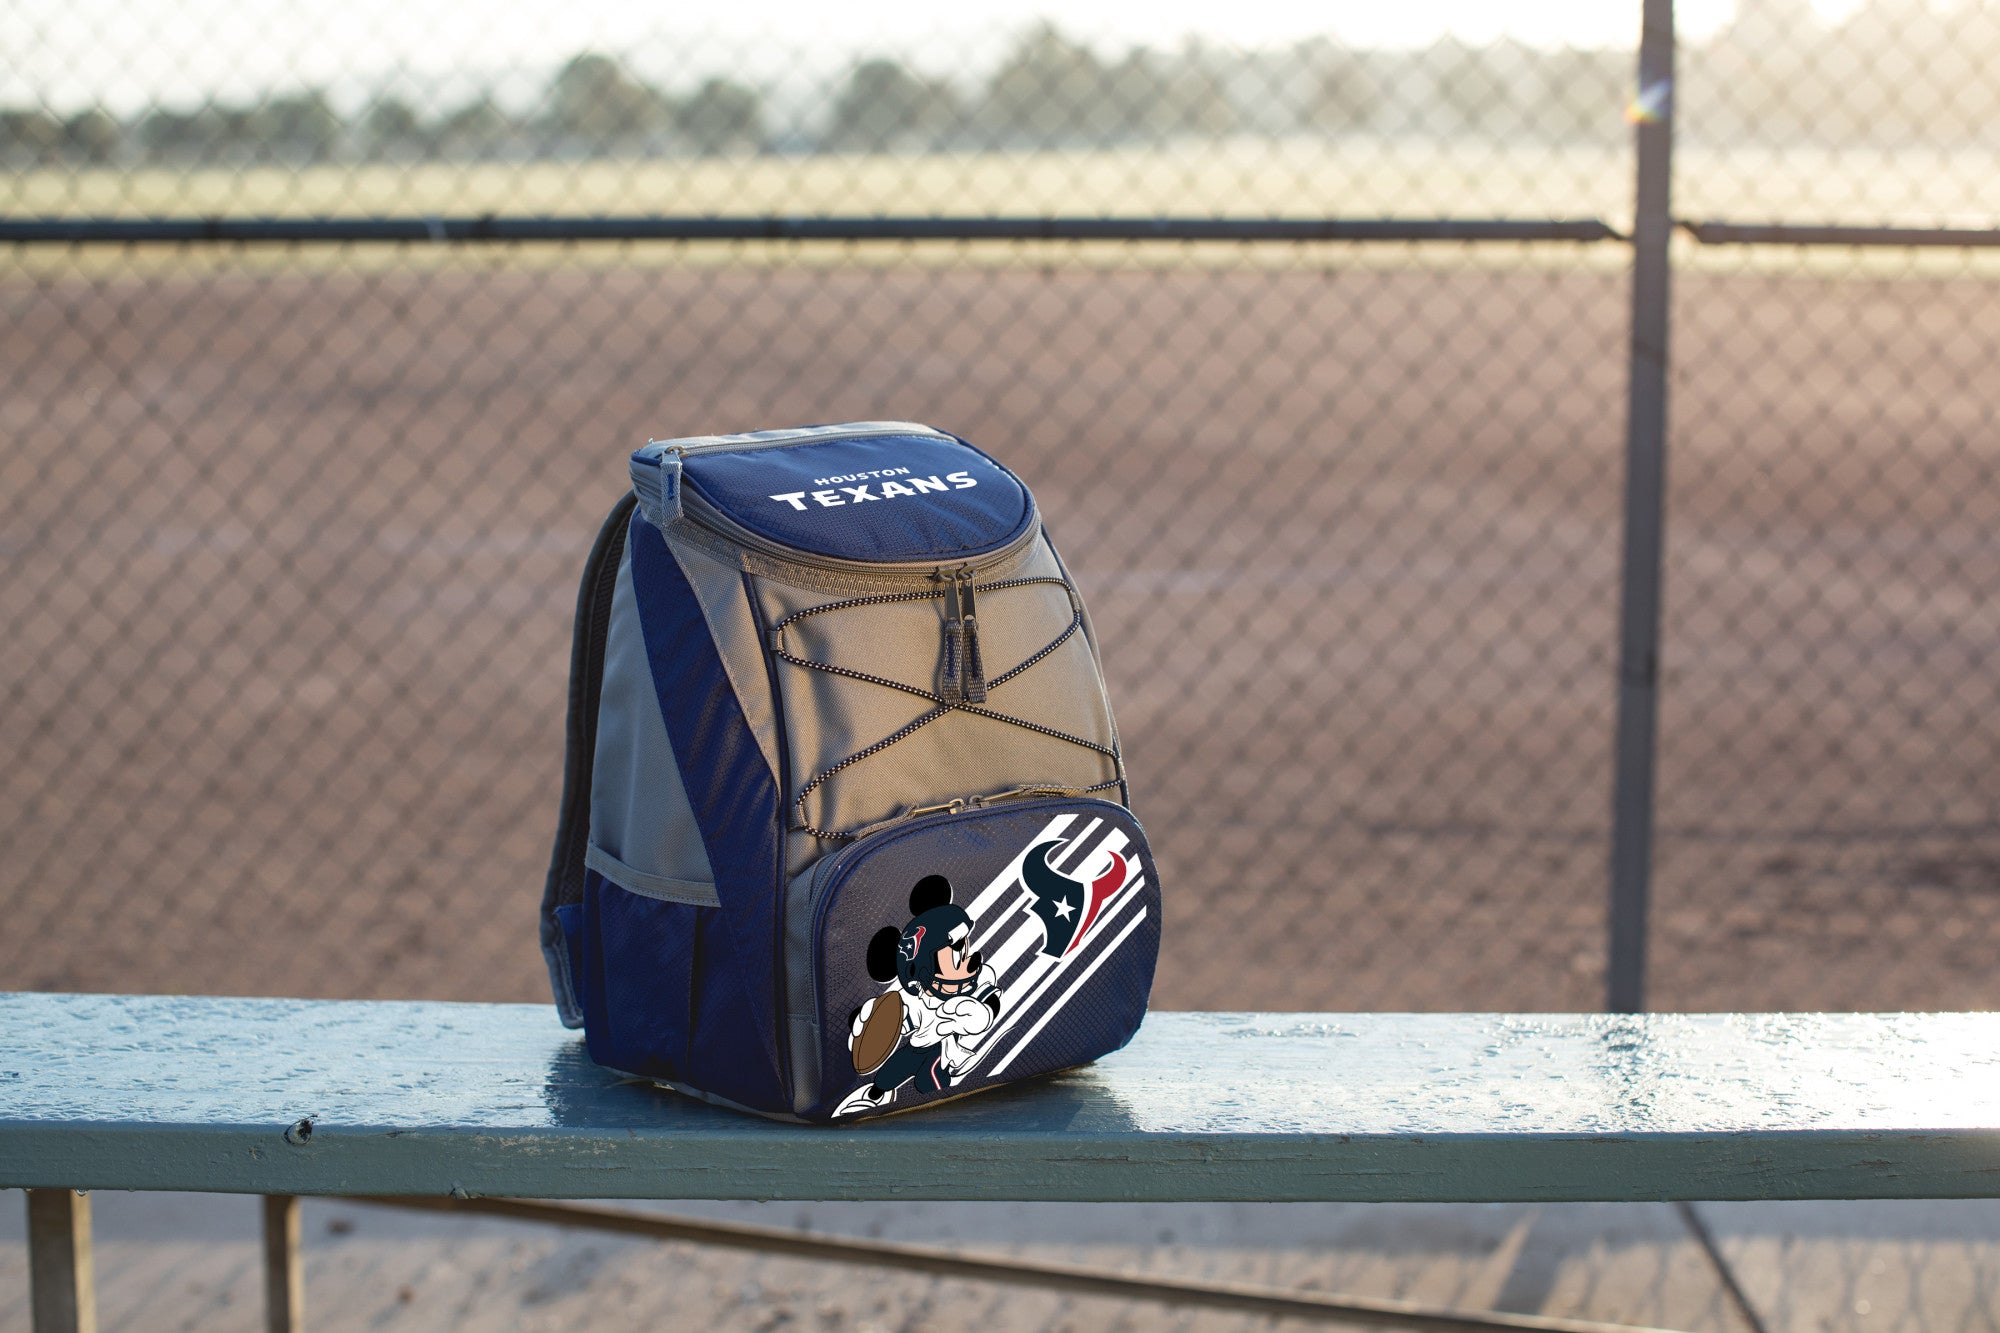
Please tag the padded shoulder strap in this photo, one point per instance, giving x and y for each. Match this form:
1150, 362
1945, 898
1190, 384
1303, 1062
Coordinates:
586, 683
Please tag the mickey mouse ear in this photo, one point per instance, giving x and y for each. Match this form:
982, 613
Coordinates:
931, 891
882, 953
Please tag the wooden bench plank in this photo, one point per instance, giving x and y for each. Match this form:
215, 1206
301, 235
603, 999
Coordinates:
305, 1097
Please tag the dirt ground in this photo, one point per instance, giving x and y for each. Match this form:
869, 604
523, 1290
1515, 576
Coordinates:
290, 557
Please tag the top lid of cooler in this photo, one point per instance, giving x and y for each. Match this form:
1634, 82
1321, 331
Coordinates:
867, 491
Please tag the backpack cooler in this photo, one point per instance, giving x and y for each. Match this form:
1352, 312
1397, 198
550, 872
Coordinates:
844, 824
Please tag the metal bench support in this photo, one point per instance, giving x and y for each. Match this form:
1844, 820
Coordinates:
64, 1293
284, 1276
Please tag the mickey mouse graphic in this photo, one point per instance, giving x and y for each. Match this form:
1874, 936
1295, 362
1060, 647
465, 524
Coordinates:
925, 1027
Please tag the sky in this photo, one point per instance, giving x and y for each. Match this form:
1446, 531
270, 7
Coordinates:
128, 54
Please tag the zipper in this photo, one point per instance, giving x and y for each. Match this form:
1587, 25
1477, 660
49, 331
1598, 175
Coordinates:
866, 840
778, 439
975, 665
964, 676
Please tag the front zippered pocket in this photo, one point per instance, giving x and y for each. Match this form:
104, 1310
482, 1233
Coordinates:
954, 951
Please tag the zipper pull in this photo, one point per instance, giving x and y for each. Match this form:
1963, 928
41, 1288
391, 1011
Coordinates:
975, 669
656, 476
951, 685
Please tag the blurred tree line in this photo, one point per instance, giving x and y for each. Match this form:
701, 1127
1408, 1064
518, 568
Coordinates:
1775, 75
1891, 74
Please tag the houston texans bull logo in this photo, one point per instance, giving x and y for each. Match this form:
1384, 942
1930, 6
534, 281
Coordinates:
1067, 907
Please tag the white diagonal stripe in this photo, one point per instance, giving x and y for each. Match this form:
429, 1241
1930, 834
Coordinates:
1012, 873
1056, 1008
1044, 971
1017, 944
1077, 843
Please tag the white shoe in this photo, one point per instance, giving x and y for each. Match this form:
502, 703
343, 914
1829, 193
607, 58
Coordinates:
863, 1098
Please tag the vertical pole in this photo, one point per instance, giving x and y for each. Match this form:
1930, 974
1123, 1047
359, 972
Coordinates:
1645, 504
284, 1276
63, 1290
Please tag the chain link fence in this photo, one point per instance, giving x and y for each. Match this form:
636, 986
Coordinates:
1829, 798
291, 526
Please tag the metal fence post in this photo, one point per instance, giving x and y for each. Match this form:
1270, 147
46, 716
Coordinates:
1645, 487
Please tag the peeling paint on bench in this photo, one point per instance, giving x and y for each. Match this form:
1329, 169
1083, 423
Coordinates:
318, 1097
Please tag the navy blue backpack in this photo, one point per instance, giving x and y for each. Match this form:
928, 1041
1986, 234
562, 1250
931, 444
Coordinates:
844, 825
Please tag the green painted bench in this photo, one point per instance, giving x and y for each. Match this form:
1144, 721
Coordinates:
290, 1097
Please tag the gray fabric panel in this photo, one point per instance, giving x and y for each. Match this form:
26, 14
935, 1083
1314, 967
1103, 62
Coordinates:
726, 607
649, 886
639, 812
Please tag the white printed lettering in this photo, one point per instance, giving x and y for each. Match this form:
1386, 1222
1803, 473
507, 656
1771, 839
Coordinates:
888, 490
862, 476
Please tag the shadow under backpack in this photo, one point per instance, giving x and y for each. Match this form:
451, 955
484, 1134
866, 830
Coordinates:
844, 825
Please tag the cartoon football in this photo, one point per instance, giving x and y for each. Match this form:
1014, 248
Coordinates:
880, 1031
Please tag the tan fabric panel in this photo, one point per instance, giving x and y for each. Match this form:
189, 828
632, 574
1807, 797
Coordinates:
829, 717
